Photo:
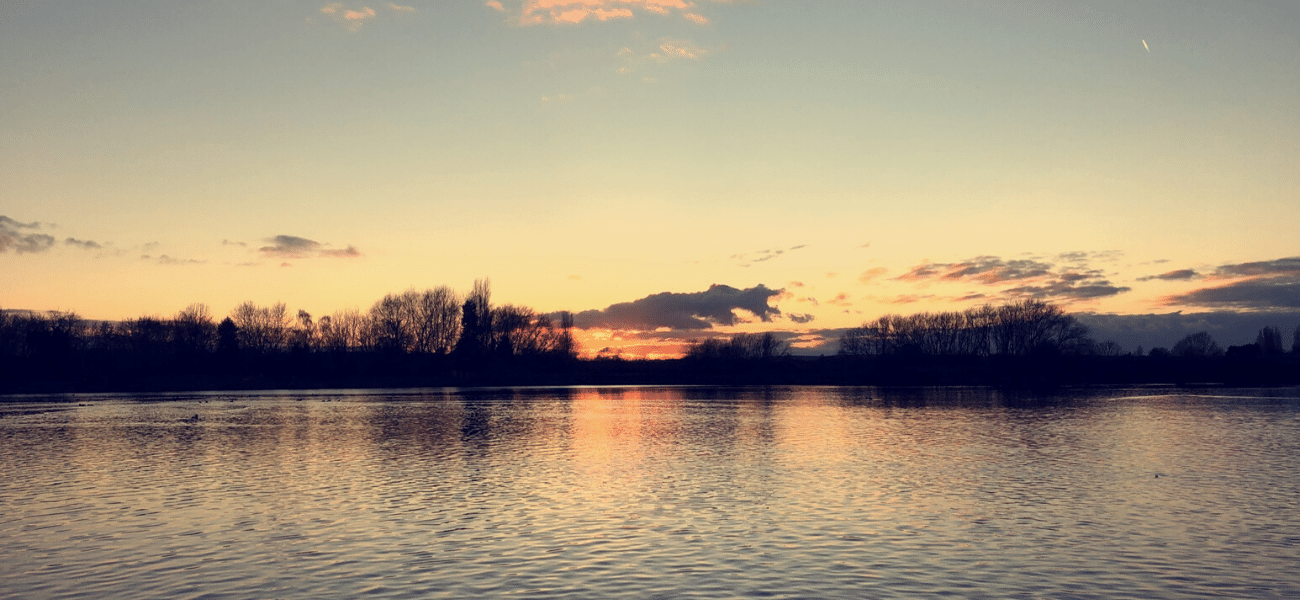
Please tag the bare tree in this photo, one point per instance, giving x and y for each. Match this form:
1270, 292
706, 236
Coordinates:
437, 320
1269, 341
392, 321
342, 331
1197, 345
476, 335
193, 330
262, 329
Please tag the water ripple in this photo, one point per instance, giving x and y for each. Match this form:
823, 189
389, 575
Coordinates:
652, 493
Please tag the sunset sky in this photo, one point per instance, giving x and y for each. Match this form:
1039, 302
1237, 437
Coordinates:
828, 162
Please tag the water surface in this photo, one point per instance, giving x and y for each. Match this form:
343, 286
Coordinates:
801, 492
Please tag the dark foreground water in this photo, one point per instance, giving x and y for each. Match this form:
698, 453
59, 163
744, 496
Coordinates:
653, 493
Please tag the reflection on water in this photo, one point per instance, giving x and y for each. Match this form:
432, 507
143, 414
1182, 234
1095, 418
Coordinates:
653, 493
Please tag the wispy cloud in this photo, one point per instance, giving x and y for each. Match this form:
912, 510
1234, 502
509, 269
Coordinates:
171, 260
12, 237
872, 274
693, 311
292, 246
353, 18
1064, 277
1179, 275
562, 12
83, 244
751, 258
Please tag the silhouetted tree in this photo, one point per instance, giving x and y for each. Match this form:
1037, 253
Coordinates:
343, 331
392, 321
1197, 345
476, 335
1108, 348
742, 346
193, 331
437, 320
1016, 329
303, 338
1269, 341
227, 336
262, 329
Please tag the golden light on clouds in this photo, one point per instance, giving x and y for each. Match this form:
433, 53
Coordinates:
540, 12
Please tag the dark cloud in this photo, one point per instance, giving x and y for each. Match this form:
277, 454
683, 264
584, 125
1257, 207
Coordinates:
1151, 330
83, 244
1261, 285
1179, 275
1251, 294
1067, 290
690, 311
13, 238
1281, 266
804, 318
292, 246
1067, 276
988, 270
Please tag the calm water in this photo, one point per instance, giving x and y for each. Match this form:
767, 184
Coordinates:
653, 493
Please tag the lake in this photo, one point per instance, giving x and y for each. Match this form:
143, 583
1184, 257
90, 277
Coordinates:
653, 492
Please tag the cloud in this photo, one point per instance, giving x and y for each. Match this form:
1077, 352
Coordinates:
871, 274
230, 243
801, 318
1152, 330
1067, 276
751, 258
354, 18
689, 311
1252, 294
1261, 285
988, 270
1281, 266
83, 244
1068, 290
570, 12
674, 49
292, 246
171, 260
12, 238
1179, 275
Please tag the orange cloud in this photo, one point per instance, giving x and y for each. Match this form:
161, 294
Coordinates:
553, 12
353, 18
870, 274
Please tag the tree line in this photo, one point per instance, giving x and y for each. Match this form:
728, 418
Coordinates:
1015, 329
440, 337
414, 332
436, 321
1025, 328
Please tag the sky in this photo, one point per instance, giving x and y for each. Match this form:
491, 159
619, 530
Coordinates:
666, 169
